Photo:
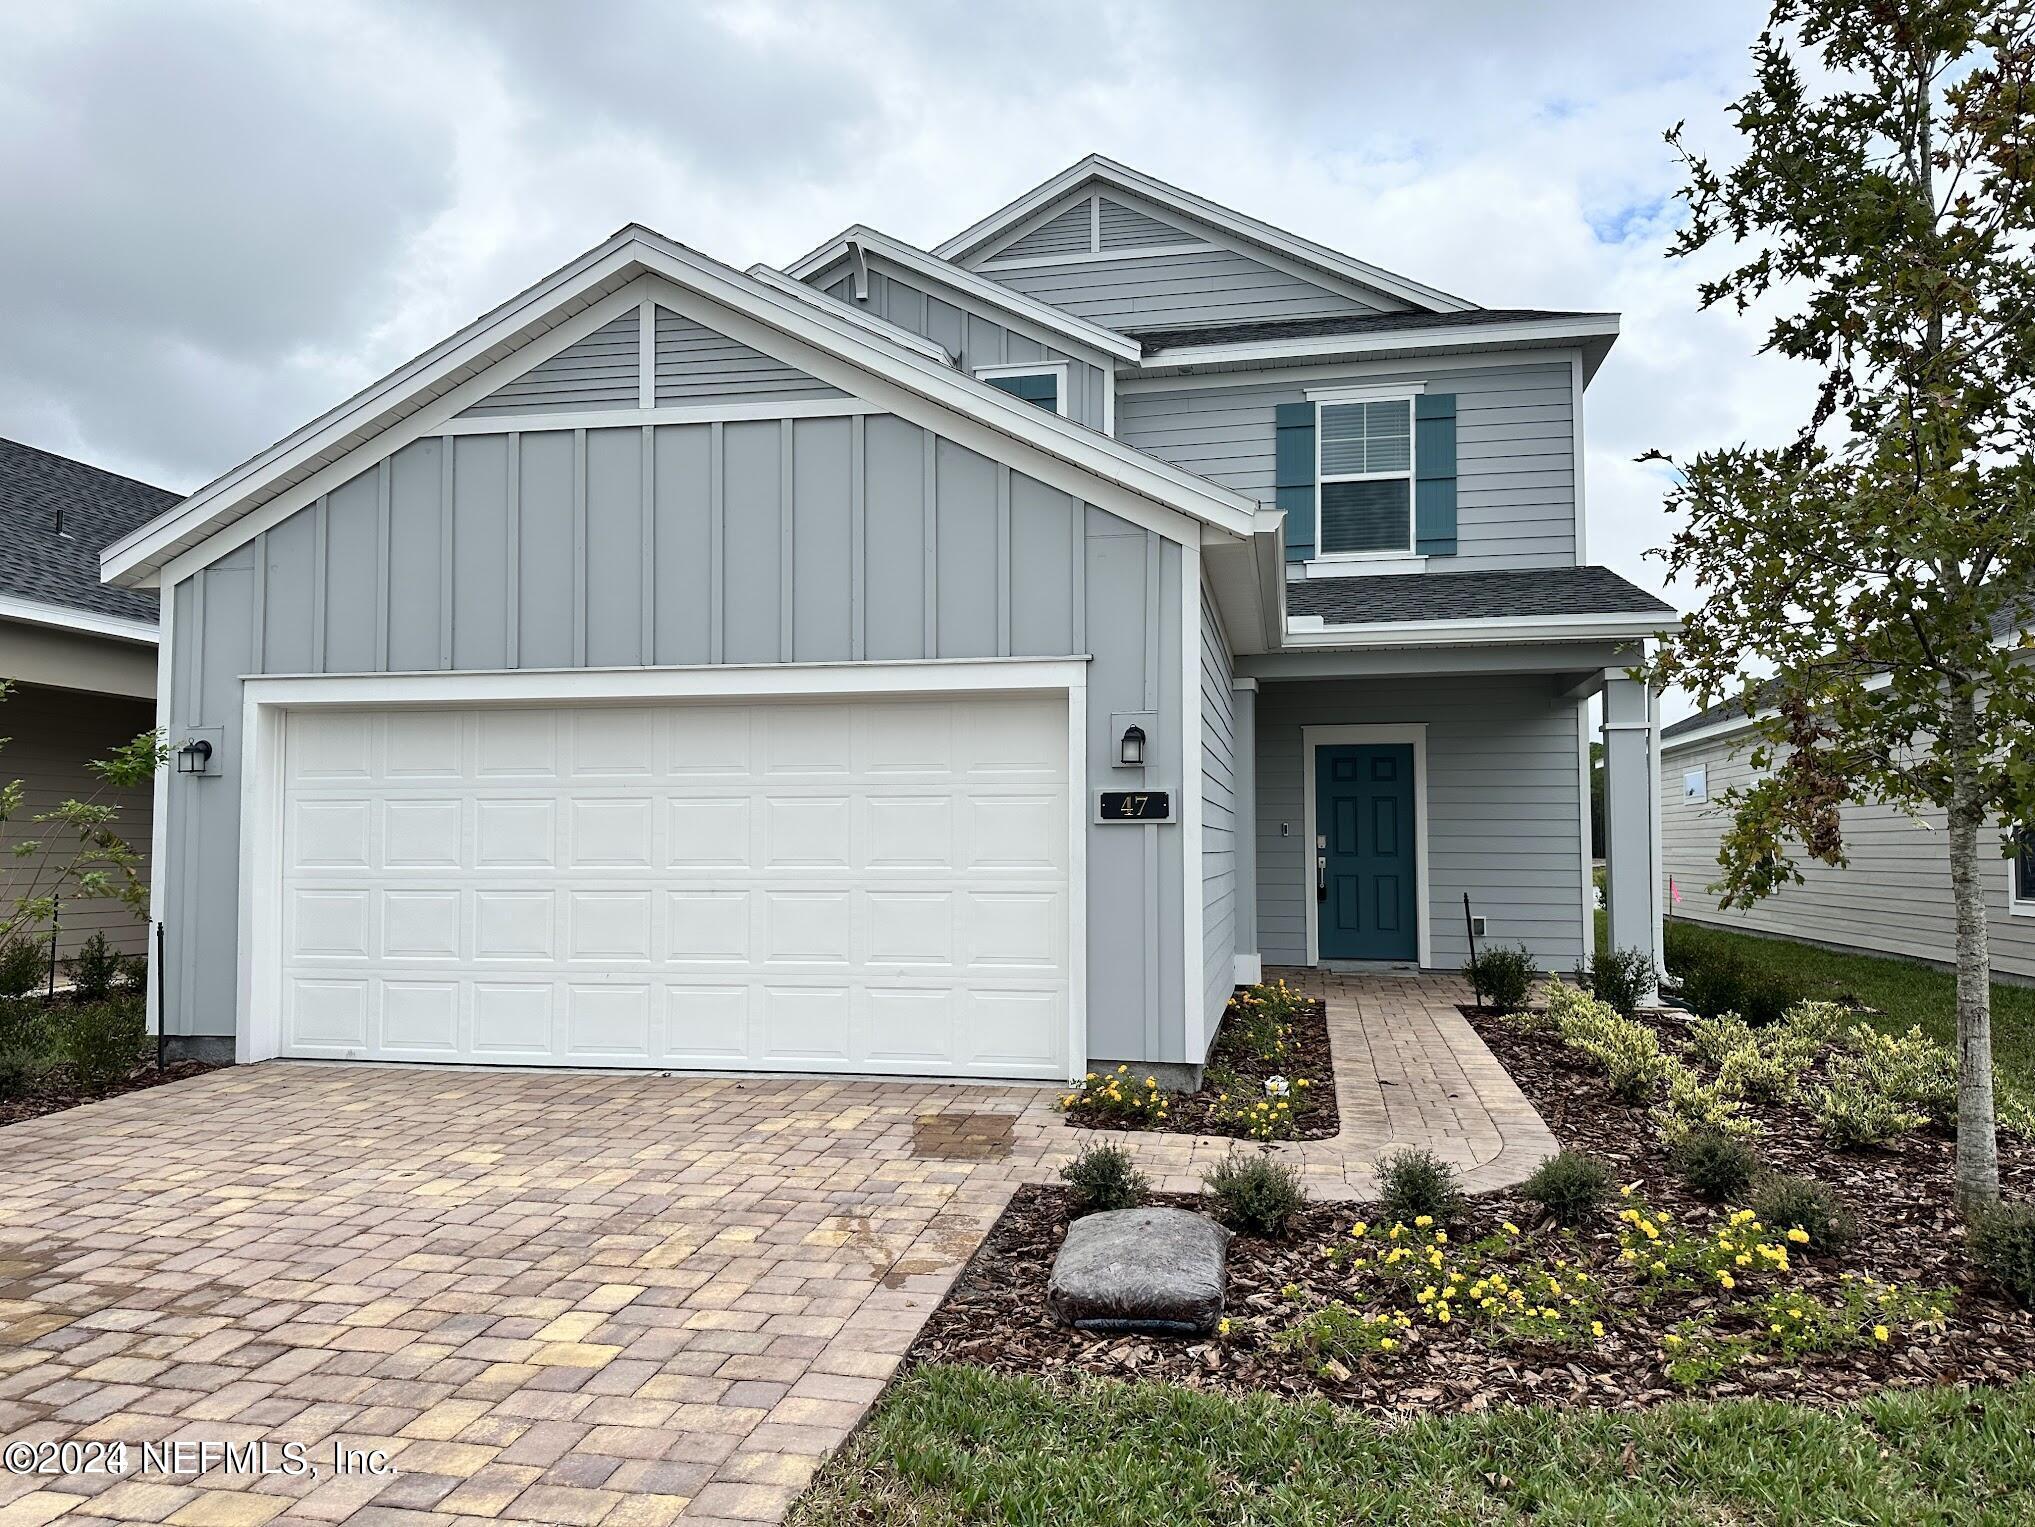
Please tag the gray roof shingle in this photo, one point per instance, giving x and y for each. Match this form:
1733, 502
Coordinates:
98, 508
1484, 595
1159, 340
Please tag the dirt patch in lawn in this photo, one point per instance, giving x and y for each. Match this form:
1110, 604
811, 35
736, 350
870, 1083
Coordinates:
1240, 1062
1909, 1236
58, 1088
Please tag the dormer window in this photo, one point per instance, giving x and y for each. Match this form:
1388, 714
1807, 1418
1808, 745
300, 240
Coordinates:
1365, 472
1040, 383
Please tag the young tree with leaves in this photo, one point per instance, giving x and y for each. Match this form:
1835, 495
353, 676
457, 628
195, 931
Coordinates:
1882, 561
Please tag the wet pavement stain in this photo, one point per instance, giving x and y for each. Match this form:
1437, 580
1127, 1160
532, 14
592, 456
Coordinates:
963, 1136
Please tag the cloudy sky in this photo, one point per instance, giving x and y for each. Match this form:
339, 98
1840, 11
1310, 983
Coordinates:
224, 217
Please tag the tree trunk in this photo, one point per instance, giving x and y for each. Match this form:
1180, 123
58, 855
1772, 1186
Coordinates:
1978, 1155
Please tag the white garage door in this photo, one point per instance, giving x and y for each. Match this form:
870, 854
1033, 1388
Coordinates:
844, 886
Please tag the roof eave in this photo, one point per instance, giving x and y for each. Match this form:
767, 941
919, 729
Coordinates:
1312, 632
1593, 333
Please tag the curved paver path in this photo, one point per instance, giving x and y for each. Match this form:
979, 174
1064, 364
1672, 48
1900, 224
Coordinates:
561, 1297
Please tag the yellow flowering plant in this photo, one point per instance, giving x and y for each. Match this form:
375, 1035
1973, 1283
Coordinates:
1791, 1323
1664, 1255
1118, 1097
1495, 1284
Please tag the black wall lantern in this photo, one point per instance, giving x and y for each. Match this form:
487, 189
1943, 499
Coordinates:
194, 756
1130, 751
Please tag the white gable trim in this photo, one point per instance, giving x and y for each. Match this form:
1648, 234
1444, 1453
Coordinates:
1062, 327
970, 242
422, 396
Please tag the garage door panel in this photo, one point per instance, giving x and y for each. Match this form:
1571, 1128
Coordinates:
794, 885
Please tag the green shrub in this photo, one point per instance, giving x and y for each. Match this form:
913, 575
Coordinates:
20, 1070
1693, 1105
2001, 1240
1712, 1039
1343, 1336
1569, 1186
1819, 1024
1911, 1070
1412, 1183
1503, 976
1256, 1194
1621, 977
1852, 1114
1714, 981
1785, 1203
93, 969
1716, 1165
1628, 1053
24, 965
1102, 1177
101, 1040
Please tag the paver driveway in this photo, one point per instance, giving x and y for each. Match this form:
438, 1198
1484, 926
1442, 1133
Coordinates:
549, 1296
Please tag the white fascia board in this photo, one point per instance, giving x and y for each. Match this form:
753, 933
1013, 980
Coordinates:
919, 263
617, 263
1729, 726
1310, 631
33, 612
1525, 332
778, 281
1250, 229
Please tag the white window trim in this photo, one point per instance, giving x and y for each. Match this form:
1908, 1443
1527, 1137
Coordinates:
266, 702
2017, 905
1703, 793
1315, 737
1055, 369
1322, 479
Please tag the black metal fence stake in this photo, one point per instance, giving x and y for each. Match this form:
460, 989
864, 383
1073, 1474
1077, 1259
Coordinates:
56, 907
1470, 927
162, 1012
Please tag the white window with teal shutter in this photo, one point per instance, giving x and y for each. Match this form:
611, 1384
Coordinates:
1368, 474
1043, 383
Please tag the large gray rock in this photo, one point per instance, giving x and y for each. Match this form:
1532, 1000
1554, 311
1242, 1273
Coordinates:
1158, 1270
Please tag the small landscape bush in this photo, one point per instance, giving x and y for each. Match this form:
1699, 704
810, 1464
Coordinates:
93, 969
1255, 1194
1694, 1106
20, 1070
1117, 1097
1716, 1165
24, 965
1911, 1070
1802, 1203
1854, 1114
1716, 981
1570, 1186
1102, 1177
2001, 1240
1503, 976
1416, 1182
1623, 978
101, 1040
1628, 1053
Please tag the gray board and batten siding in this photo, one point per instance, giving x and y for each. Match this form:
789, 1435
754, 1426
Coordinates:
971, 331
1515, 450
855, 537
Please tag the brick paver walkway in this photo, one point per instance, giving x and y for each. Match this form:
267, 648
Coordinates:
560, 1297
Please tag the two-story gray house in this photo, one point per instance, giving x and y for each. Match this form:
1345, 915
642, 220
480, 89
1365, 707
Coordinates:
967, 662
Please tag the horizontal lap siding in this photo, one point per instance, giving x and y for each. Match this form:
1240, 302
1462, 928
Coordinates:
1893, 897
1218, 817
1167, 291
697, 365
1064, 233
600, 371
52, 734
1515, 450
1504, 801
972, 331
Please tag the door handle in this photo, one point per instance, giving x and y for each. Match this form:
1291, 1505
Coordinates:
1321, 877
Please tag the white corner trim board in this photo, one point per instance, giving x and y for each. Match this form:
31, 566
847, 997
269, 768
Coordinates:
1313, 737
269, 703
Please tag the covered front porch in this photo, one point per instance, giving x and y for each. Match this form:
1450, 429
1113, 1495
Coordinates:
1387, 784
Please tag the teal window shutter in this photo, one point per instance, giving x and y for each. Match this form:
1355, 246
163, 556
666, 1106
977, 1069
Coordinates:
1042, 388
1434, 474
1293, 478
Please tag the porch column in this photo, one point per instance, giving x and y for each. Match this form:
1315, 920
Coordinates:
1632, 816
1244, 697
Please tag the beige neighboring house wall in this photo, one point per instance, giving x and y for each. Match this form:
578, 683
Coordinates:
1893, 896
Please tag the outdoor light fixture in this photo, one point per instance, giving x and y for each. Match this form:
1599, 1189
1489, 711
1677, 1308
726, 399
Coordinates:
1131, 751
194, 756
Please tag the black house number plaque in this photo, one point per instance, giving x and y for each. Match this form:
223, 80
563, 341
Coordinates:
1134, 806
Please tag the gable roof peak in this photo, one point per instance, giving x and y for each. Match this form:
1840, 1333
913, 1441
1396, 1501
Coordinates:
1100, 169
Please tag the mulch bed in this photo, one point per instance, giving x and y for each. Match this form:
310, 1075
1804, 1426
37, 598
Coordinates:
1909, 1232
1234, 1068
58, 1089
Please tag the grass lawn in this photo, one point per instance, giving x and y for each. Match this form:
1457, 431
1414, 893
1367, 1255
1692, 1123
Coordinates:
952, 1445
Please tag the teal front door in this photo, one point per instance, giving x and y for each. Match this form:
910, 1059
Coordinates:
1363, 867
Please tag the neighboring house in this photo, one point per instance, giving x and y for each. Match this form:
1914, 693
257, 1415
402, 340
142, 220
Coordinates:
967, 663
80, 657
1891, 897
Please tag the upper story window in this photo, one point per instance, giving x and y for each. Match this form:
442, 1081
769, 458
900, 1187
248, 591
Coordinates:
2021, 873
1043, 384
1365, 472
1696, 783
